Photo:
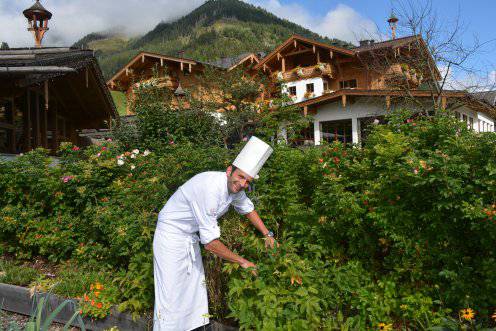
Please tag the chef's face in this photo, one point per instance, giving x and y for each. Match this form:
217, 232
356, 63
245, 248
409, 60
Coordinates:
237, 180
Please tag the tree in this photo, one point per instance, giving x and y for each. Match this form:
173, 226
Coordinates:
4, 45
434, 58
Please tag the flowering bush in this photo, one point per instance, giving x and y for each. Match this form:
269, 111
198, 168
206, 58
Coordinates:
397, 234
98, 301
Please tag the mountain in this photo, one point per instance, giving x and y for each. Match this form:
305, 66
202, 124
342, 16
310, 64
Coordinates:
216, 29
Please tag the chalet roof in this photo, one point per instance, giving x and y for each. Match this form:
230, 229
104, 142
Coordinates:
463, 96
295, 38
40, 64
229, 62
378, 93
487, 96
388, 43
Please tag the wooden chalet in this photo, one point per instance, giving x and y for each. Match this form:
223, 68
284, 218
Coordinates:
48, 95
176, 73
347, 89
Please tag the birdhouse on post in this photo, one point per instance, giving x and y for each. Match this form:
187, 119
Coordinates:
38, 18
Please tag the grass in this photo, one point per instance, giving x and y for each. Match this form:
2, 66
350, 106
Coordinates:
16, 274
120, 101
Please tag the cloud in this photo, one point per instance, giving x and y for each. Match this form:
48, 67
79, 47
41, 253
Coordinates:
342, 22
74, 19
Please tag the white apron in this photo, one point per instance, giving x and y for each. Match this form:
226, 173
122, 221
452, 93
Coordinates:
180, 291
181, 302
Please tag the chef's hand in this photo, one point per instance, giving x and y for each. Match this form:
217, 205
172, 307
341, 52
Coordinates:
247, 264
270, 242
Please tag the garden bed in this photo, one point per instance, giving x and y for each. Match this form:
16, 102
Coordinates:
18, 299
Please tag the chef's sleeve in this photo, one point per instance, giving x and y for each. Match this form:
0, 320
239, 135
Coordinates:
242, 204
207, 220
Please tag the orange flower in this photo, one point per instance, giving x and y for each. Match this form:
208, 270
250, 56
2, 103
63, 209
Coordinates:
99, 305
91, 287
99, 286
467, 314
92, 302
86, 298
81, 311
97, 294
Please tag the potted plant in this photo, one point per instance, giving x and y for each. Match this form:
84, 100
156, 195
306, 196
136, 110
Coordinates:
299, 71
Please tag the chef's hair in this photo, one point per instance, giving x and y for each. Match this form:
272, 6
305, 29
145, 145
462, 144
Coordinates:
233, 168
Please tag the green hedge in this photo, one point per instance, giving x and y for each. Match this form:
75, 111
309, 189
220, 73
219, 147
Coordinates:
400, 232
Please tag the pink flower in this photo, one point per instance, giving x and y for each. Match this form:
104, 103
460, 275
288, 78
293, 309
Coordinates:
409, 120
171, 142
98, 155
75, 148
65, 179
109, 139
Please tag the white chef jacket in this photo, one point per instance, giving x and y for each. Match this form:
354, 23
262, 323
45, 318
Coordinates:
198, 203
181, 301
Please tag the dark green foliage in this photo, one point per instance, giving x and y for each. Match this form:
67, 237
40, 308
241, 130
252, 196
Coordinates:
401, 231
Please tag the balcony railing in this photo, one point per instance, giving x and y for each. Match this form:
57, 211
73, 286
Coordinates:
321, 69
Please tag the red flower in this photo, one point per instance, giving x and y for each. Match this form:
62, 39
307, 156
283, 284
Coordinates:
99, 305
75, 148
336, 160
321, 160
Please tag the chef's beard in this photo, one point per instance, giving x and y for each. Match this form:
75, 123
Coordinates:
234, 186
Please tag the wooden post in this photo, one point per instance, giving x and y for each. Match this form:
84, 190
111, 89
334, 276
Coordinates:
283, 65
143, 58
295, 43
161, 62
278, 56
343, 100
182, 66
55, 128
189, 67
443, 103
27, 120
64, 128
305, 111
318, 57
127, 72
86, 76
388, 102
13, 131
37, 139
331, 54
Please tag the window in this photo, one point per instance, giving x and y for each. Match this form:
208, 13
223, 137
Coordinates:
337, 131
292, 91
310, 88
348, 83
326, 86
464, 118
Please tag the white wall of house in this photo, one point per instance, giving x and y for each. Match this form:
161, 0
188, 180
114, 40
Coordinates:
334, 112
486, 124
301, 88
369, 107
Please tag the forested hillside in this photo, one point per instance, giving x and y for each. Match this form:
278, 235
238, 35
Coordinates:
218, 28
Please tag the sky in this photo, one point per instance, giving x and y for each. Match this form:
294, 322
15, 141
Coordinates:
349, 20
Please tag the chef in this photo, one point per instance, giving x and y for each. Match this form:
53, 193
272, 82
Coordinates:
190, 217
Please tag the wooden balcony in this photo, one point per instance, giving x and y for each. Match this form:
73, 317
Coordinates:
323, 69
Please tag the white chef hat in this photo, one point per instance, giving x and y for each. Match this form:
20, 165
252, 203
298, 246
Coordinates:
253, 156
